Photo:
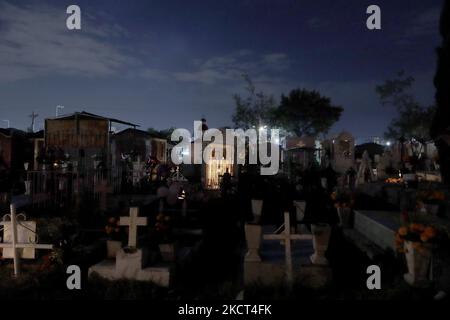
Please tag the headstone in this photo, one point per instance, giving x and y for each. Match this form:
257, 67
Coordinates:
365, 172
343, 154
133, 221
15, 245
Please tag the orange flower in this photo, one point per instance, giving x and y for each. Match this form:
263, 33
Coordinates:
430, 232
424, 238
108, 229
403, 231
417, 227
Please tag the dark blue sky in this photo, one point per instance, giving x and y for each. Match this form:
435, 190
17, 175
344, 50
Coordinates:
165, 63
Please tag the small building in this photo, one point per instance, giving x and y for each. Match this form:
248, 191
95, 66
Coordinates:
83, 138
139, 144
14, 150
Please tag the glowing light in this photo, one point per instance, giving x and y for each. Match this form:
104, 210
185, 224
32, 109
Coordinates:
388, 143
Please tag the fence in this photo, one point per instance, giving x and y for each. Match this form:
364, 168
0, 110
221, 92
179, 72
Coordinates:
63, 188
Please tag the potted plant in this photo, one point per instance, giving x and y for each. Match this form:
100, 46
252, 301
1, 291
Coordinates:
163, 229
114, 241
416, 241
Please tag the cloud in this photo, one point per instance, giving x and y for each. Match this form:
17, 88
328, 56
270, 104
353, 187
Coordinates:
422, 24
232, 66
34, 41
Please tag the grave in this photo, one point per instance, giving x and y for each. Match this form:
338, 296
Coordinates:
19, 240
132, 262
281, 257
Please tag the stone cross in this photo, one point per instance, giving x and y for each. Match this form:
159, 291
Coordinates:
286, 236
103, 189
15, 245
133, 221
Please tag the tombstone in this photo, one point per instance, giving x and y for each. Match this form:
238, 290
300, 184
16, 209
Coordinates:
384, 163
365, 172
343, 152
258, 266
131, 262
16, 246
138, 172
26, 233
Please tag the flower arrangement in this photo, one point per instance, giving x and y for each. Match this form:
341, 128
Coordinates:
112, 229
422, 236
431, 196
342, 199
394, 180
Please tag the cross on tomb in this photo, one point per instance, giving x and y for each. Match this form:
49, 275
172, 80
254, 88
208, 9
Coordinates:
15, 245
103, 189
133, 221
286, 236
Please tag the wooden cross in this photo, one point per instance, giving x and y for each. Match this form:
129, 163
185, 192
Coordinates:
286, 236
15, 245
103, 189
133, 221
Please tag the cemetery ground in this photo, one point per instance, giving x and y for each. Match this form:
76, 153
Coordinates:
215, 272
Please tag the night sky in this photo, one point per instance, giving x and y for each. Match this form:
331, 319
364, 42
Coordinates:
165, 63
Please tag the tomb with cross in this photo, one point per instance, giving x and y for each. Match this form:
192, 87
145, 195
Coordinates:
16, 246
131, 262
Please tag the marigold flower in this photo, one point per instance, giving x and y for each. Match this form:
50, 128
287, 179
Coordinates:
403, 231
430, 232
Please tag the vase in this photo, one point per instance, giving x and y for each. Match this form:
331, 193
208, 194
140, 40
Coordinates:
112, 247
253, 236
257, 209
418, 261
321, 236
167, 251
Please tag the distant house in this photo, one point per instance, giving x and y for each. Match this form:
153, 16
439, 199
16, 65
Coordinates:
138, 143
14, 150
82, 137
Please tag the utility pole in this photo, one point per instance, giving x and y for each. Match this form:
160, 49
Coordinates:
33, 116
7, 121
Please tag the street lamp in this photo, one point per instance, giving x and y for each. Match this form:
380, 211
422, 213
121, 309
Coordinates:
57, 109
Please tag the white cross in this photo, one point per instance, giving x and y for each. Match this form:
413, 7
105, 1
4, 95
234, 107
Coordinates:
14, 245
133, 221
287, 237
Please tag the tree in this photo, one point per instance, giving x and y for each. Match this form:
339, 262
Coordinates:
305, 112
163, 134
440, 129
413, 120
255, 110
